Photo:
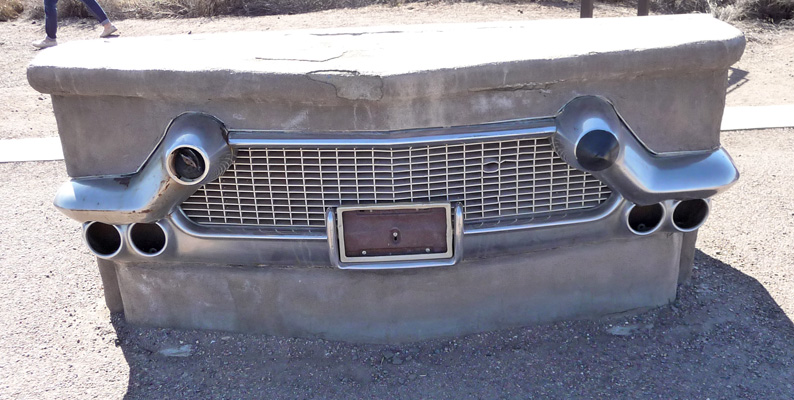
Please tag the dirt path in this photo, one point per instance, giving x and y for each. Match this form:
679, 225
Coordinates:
729, 335
765, 74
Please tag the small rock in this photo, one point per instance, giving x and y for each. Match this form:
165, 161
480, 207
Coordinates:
225, 338
185, 350
627, 330
397, 361
388, 354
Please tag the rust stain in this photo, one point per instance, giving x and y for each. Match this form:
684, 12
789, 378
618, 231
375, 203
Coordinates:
125, 180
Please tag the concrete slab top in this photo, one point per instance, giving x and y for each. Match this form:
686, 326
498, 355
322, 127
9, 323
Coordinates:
373, 63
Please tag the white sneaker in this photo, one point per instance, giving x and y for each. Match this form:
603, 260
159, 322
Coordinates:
109, 30
44, 43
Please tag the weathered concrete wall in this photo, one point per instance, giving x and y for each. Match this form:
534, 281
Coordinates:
666, 76
397, 306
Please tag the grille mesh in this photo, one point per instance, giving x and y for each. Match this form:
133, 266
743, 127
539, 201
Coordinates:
496, 180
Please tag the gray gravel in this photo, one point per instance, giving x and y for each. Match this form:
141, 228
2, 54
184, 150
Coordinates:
728, 335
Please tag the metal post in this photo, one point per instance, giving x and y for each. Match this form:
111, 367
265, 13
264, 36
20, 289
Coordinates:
643, 7
587, 9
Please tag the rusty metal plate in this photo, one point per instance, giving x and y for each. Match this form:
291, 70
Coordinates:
395, 232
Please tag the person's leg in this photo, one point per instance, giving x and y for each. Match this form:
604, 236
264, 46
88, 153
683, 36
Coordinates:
51, 18
50, 25
97, 10
100, 15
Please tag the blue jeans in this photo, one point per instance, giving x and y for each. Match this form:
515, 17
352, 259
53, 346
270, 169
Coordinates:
51, 15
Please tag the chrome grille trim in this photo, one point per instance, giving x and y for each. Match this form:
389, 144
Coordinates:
279, 185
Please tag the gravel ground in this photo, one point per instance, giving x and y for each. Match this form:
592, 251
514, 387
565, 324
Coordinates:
728, 335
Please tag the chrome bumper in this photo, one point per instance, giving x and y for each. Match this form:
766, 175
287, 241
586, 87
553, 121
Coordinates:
588, 134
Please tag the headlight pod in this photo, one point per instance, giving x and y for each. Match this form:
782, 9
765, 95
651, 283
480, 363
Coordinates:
187, 164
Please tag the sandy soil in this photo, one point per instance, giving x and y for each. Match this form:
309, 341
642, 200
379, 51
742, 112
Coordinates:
729, 334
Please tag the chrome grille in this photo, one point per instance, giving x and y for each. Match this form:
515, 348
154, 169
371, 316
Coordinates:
496, 180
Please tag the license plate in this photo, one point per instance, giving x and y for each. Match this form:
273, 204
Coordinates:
395, 232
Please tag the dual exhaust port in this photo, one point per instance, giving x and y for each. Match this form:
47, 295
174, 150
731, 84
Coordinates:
107, 241
150, 239
686, 216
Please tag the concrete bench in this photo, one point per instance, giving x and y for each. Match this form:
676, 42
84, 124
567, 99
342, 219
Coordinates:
393, 183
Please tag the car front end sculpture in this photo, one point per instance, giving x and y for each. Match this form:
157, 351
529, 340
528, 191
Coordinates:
366, 185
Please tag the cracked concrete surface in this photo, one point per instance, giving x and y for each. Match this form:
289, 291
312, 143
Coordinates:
351, 85
315, 59
539, 86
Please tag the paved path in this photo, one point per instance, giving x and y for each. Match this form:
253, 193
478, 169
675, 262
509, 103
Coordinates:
735, 118
758, 117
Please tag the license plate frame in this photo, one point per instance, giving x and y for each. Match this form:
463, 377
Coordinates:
424, 232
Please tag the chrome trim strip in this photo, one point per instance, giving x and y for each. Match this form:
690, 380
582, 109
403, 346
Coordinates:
604, 210
502, 130
181, 221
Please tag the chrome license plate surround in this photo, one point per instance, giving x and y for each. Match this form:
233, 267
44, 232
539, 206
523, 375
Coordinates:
448, 233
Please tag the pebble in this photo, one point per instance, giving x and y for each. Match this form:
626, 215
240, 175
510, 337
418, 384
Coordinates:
185, 350
627, 330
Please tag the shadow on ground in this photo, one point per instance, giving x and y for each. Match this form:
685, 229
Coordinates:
724, 337
736, 78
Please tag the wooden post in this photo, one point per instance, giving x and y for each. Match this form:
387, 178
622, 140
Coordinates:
643, 7
587, 9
